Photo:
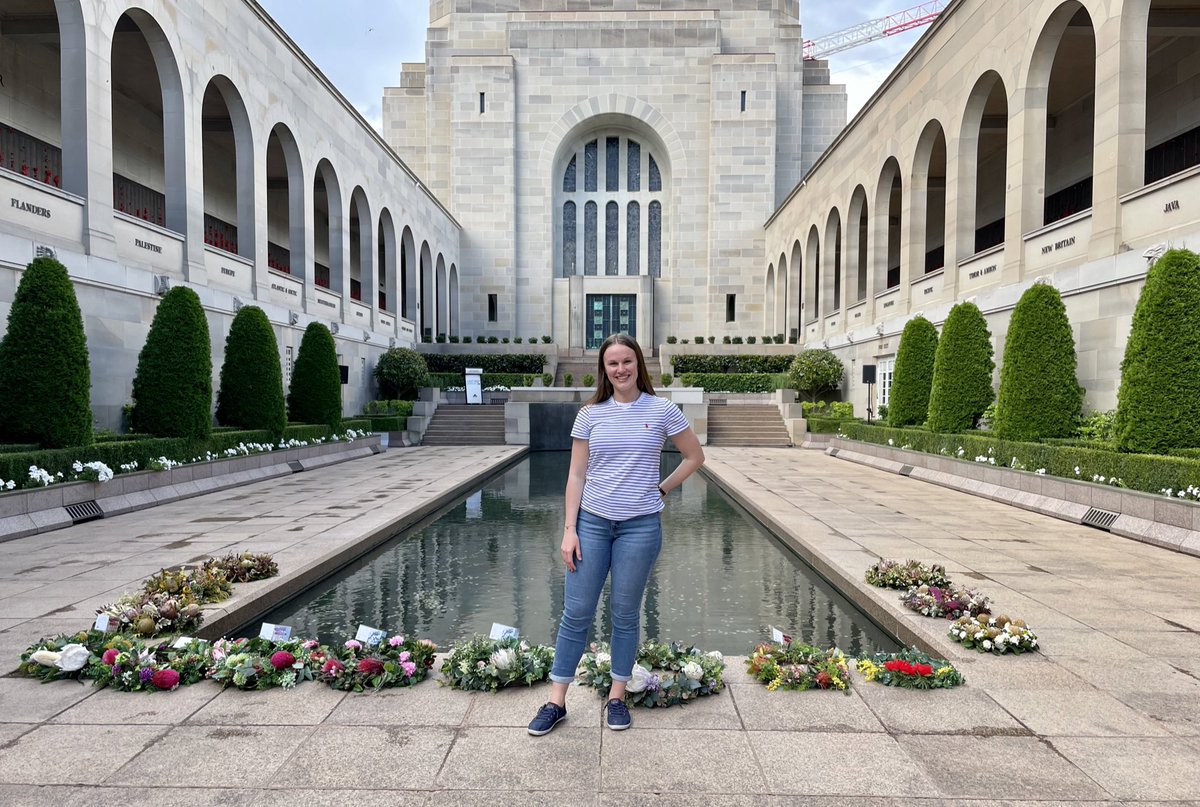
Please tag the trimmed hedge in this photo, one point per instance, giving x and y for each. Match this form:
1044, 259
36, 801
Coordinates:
388, 409
1039, 394
315, 395
489, 363
400, 372
45, 380
908, 403
444, 380
1158, 403
358, 424
251, 393
389, 424
819, 425
1149, 473
172, 389
962, 371
731, 364
730, 382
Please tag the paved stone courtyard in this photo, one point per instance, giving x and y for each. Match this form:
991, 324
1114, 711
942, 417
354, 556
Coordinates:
1109, 713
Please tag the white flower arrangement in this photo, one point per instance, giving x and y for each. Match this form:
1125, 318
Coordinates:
43, 478
9, 485
92, 471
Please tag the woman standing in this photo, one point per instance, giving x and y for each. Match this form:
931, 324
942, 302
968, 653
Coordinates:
614, 497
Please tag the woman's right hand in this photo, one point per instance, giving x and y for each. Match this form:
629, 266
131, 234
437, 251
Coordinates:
570, 548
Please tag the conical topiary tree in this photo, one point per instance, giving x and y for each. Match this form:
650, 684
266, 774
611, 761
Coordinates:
962, 371
912, 378
1158, 403
44, 377
172, 389
251, 394
1039, 394
315, 395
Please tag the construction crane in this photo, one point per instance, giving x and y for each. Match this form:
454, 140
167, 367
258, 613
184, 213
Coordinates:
869, 31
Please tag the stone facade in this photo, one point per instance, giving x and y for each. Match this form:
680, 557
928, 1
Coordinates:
1052, 139
513, 91
220, 127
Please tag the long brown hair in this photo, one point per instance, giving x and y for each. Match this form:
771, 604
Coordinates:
604, 388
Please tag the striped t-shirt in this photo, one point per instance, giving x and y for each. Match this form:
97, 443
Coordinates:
624, 447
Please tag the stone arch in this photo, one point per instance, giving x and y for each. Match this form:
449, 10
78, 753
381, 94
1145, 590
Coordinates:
812, 259
857, 245
284, 195
769, 296
230, 135
888, 220
831, 293
328, 237
1059, 162
796, 285
387, 278
428, 307
442, 296
135, 195
983, 166
1171, 120
927, 185
452, 326
362, 238
781, 294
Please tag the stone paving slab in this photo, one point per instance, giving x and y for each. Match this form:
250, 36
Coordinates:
1107, 715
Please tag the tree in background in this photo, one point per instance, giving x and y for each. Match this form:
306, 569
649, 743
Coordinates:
45, 382
912, 378
1158, 403
172, 389
962, 371
400, 372
816, 371
315, 395
1039, 393
251, 393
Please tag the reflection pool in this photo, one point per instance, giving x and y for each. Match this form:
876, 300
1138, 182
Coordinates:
720, 582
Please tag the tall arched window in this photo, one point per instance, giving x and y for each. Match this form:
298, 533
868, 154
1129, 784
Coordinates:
614, 167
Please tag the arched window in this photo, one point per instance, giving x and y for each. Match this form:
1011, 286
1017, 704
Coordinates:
614, 164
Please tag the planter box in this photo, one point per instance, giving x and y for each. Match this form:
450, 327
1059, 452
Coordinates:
25, 512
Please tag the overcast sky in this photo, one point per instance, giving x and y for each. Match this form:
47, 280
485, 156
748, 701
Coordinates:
360, 44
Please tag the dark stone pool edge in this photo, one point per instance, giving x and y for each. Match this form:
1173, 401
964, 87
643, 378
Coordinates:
268, 594
866, 598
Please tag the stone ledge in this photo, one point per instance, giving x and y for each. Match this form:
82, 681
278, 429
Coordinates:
1143, 517
27, 512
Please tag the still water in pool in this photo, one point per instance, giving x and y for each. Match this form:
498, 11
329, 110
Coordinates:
720, 582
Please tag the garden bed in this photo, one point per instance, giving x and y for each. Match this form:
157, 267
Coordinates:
34, 510
1155, 519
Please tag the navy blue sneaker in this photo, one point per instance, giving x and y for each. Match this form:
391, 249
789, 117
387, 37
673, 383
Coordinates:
618, 715
547, 718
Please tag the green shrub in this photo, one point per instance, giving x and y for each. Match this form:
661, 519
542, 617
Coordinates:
15, 466
699, 340
315, 395
816, 371
667, 378
779, 339
835, 410
546, 339
712, 340
589, 380
517, 340
400, 372
1039, 394
671, 340
727, 339
305, 431
568, 380
826, 425
504, 340
454, 340
440, 338
737, 340
388, 424
493, 340
1097, 426
44, 375
685, 363
358, 424
489, 363
729, 382
1158, 403
172, 389
912, 378
750, 340
532, 340
1150, 473
386, 408
883, 412
962, 371
251, 392
547, 379
466, 340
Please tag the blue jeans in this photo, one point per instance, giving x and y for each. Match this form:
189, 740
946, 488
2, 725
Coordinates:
626, 548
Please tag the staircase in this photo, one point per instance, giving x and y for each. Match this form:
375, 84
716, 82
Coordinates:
466, 425
578, 368
750, 425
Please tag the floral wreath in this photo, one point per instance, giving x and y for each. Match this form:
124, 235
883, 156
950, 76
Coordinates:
394, 662
262, 663
663, 674
910, 668
906, 574
950, 602
798, 666
994, 634
488, 664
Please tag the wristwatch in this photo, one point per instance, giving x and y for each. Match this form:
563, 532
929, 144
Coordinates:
662, 493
